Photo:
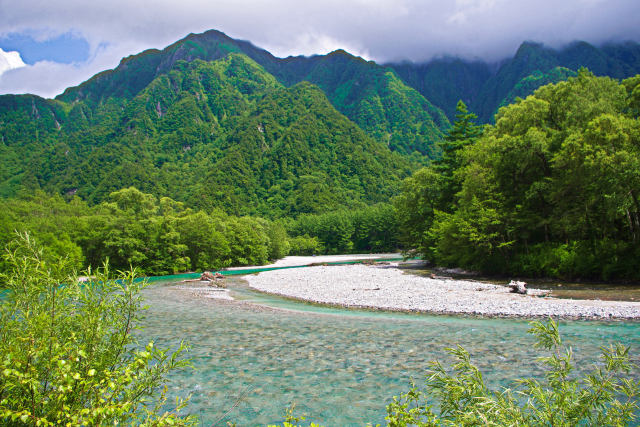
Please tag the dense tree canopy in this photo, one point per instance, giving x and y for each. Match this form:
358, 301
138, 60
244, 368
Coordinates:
550, 189
368, 230
162, 236
221, 134
157, 236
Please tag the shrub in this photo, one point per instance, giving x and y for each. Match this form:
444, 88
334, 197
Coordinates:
67, 353
607, 396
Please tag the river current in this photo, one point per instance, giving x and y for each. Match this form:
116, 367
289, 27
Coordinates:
252, 360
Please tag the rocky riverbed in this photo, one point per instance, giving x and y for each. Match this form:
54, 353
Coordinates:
388, 288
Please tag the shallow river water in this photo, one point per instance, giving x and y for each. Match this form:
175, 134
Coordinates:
340, 367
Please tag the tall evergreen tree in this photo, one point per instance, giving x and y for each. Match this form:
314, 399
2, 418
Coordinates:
463, 132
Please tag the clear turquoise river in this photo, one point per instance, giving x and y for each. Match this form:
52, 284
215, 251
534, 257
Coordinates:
340, 367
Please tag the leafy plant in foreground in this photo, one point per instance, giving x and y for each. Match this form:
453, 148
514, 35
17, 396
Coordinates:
607, 396
67, 353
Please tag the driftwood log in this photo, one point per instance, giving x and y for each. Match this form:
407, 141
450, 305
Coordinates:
437, 277
213, 279
207, 276
518, 287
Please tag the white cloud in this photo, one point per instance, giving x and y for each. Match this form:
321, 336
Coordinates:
48, 79
10, 61
316, 44
43, 78
382, 30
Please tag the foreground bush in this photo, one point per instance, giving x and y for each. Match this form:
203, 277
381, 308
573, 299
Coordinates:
607, 396
67, 353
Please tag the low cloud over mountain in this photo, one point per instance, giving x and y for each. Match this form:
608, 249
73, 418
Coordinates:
381, 30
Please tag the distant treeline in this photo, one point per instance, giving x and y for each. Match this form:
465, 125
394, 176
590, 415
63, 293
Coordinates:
367, 230
158, 236
162, 236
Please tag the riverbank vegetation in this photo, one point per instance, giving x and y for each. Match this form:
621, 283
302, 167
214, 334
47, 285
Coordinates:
162, 236
606, 396
157, 236
372, 229
68, 352
550, 190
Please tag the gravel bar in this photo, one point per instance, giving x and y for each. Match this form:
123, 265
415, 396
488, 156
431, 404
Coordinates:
388, 288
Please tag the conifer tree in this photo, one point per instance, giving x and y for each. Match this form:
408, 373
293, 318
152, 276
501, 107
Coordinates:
463, 132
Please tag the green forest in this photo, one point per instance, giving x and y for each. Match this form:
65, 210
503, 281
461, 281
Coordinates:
550, 190
162, 236
213, 153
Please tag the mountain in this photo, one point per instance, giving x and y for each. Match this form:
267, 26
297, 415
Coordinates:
219, 134
446, 81
536, 79
219, 123
484, 87
370, 95
376, 99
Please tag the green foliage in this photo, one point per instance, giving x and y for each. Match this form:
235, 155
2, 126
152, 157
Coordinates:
464, 132
293, 421
56, 224
379, 102
430, 192
605, 258
248, 242
68, 355
136, 229
607, 396
372, 229
550, 190
527, 85
420, 198
305, 245
279, 245
222, 134
203, 234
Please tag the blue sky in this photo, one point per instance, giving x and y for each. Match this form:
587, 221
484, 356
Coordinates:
65, 42
65, 48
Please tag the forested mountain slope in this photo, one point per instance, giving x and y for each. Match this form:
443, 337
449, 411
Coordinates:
484, 87
370, 95
222, 134
218, 122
